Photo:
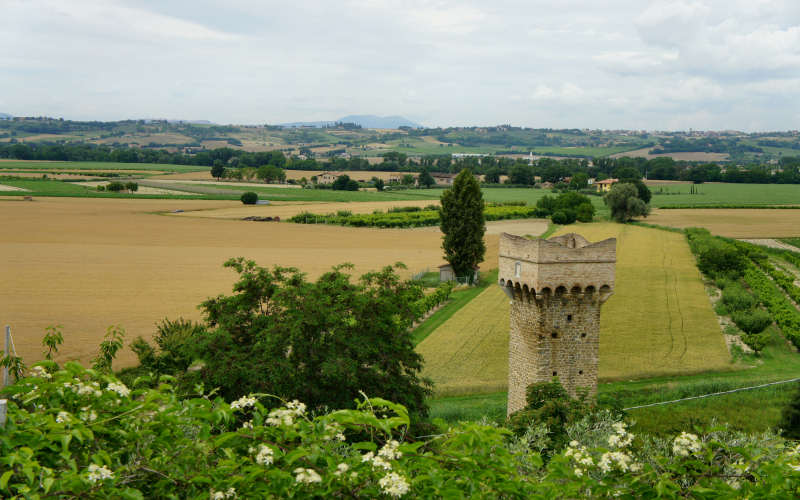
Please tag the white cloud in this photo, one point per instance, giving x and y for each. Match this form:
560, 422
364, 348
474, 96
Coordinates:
582, 63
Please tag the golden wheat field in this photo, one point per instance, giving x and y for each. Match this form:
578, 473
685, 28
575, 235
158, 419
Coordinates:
733, 223
90, 263
658, 322
359, 175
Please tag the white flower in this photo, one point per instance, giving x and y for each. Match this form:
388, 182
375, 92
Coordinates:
306, 476
248, 424
613, 440
574, 444
230, 493
389, 450
216, 495
119, 388
379, 462
297, 407
98, 473
615, 458
39, 371
686, 443
333, 431
393, 484
265, 455
243, 402
62, 417
578, 472
341, 469
280, 417
794, 467
367, 457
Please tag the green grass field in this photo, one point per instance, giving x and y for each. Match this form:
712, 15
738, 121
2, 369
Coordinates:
752, 411
732, 194
41, 187
659, 321
95, 165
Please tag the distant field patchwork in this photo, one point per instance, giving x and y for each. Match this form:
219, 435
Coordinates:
733, 223
659, 322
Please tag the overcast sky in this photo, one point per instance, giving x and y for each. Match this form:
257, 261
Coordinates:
633, 64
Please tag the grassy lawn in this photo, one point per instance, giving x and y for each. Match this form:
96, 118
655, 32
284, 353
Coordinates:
731, 194
40, 187
659, 321
752, 411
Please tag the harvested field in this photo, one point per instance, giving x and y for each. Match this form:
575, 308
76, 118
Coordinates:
358, 175
682, 156
223, 183
286, 209
524, 227
3, 187
659, 321
90, 263
733, 223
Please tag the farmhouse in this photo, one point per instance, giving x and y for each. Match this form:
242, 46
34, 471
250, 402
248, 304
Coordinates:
327, 177
605, 186
443, 179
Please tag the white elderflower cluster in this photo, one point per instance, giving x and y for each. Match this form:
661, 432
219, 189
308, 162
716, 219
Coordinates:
306, 476
222, 495
265, 455
580, 455
686, 444
286, 416
341, 469
119, 388
389, 451
99, 473
243, 402
248, 424
88, 414
39, 371
621, 438
376, 461
393, 484
81, 389
333, 431
62, 417
619, 460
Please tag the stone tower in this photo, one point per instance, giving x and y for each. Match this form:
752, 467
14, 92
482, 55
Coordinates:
556, 287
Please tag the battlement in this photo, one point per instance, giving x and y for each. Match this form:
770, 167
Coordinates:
567, 263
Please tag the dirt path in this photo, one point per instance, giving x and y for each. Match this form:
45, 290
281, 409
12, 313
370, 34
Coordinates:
771, 243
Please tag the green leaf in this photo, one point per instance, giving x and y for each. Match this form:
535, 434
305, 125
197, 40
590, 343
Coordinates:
5, 478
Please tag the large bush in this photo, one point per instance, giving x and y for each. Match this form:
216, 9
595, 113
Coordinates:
753, 321
279, 332
624, 202
249, 198
737, 298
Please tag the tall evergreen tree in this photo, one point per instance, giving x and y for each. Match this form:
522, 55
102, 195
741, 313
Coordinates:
463, 224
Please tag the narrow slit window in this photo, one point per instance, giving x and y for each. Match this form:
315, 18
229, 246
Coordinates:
517, 269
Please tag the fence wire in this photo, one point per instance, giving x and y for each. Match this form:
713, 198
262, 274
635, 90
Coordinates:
740, 389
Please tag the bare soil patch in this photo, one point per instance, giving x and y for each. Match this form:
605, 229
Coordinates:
733, 223
684, 156
284, 210
141, 190
771, 243
3, 187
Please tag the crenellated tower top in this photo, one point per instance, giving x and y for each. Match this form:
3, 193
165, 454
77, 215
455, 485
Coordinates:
558, 265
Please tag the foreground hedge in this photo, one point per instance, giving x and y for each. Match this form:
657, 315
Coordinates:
73, 432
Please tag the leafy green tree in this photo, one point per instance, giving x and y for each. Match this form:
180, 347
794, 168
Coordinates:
426, 179
463, 224
132, 186
624, 202
278, 332
579, 181
218, 170
492, 176
379, 184
407, 180
521, 174
345, 183
249, 198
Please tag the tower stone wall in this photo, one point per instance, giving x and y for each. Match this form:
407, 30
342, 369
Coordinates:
556, 287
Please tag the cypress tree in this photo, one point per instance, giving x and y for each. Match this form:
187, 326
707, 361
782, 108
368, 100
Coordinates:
463, 224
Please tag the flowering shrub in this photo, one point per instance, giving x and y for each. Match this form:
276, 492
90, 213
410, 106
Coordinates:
76, 432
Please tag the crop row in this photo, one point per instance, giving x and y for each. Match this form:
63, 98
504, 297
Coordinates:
411, 219
431, 300
785, 281
783, 312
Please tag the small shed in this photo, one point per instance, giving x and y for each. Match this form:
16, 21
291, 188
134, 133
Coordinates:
446, 273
